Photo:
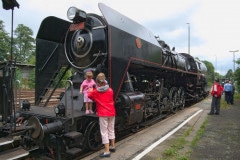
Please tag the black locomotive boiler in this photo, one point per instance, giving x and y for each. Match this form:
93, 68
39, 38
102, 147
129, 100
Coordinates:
148, 78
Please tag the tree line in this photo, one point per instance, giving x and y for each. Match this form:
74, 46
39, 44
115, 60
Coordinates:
23, 46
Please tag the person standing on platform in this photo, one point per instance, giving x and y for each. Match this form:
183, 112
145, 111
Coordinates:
227, 91
216, 92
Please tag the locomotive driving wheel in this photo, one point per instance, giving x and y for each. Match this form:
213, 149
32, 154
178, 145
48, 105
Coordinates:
173, 95
93, 136
181, 94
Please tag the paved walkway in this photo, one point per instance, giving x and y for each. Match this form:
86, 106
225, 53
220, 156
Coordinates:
221, 139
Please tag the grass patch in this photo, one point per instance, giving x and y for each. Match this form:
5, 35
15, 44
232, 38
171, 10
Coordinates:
224, 104
237, 96
174, 152
199, 133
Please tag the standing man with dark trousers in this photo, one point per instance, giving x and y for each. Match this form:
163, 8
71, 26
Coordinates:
216, 92
228, 91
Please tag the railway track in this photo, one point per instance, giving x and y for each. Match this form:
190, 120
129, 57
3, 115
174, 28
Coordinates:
36, 153
28, 94
121, 138
10, 147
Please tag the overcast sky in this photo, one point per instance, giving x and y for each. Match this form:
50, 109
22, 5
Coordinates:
214, 24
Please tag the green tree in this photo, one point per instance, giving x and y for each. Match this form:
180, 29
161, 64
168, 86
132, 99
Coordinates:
31, 81
210, 71
5, 41
237, 76
32, 59
216, 74
64, 79
229, 74
24, 42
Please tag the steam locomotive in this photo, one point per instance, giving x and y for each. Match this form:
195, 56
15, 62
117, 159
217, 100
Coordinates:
149, 80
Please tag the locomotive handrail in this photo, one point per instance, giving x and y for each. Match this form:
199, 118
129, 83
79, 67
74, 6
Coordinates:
71, 85
14, 109
45, 64
57, 83
18, 92
99, 27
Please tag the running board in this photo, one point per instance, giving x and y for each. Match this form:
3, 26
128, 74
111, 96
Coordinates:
14, 154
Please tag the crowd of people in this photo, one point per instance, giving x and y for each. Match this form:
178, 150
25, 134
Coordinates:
217, 90
229, 90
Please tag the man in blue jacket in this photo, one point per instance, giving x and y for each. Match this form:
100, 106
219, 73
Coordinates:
228, 91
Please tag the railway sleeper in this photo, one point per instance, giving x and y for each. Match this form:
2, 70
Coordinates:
14, 153
4, 141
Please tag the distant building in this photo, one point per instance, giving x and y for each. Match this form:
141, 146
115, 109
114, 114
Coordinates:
25, 70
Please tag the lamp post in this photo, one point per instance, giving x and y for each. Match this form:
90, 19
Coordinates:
216, 63
10, 4
234, 59
188, 37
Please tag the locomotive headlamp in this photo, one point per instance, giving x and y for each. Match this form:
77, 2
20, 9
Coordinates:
60, 110
76, 15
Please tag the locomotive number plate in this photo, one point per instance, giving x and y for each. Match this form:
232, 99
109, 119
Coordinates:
78, 26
